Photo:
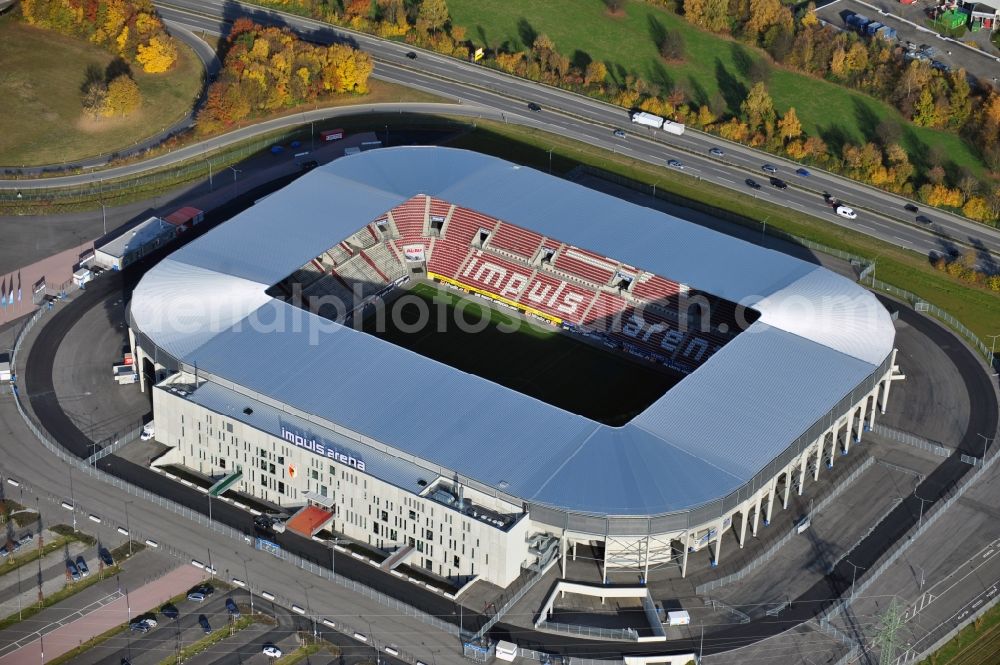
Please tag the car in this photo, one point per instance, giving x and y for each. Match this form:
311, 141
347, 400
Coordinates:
802, 172
205, 625
675, 164
923, 219
911, 207
4, 552
196, 597
234, 611
206, 589
150, 621
779, 183
846, 212
620, 133
170, 611
308, 165
25, 539
138, 627
768, 168
532, 106
412, 55
716, 152
752, 184
72, 570
271, 651
82, 566
262, 522
105, 556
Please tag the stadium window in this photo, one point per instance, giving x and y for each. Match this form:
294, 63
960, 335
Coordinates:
385, 516
455, 561
271, 468
413, 515
229, 427
375, 528
429, 535
420, 545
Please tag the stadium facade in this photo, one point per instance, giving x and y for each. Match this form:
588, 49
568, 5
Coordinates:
462, 475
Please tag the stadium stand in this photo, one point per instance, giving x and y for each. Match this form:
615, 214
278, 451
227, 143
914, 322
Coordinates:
515, 240
629, 309
410, 218
584, 265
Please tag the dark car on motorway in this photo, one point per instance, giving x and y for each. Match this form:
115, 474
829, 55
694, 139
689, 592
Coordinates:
911, 207
716, 152
752, 184
412, 55
779, 183
768, 168
532, 106
923, 219
803, 172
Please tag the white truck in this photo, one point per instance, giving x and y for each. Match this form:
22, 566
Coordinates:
648, 119
678, 618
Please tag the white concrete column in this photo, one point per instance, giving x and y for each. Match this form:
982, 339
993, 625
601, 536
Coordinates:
563, 546
645, 572
846, 448
684, 562
718, 545
871, 411
756, 516
819, 457
886, 384
802, 472
788, 488
862, 417
743, 527
834, 444
574, 550
770, 506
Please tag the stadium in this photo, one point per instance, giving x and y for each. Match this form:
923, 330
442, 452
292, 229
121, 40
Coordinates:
477, 367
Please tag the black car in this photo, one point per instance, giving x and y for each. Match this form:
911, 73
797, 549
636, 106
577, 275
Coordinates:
105, 556
532, 106
923, 220
308, 165
779, 183
170, 611
412, 55
206, 589
752, 184
205, 625
232, 609
911, 207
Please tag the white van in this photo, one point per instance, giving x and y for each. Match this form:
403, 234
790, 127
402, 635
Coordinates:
148, 431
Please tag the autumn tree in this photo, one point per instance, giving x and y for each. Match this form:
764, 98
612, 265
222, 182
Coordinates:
158, 56
123, 96
433, 15
789, 127
672, 46
595, 73
758, 109
710, 14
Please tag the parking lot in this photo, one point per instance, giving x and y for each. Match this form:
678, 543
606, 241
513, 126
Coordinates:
910, 23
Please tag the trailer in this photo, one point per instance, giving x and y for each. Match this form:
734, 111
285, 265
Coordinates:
678, 618
332, 135
858, 21
671, 127
872, 28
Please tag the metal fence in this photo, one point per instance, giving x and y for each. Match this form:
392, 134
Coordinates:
913, 440
742, 617
613, 634
513, 600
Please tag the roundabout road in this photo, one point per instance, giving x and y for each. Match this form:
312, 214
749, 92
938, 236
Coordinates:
39, 389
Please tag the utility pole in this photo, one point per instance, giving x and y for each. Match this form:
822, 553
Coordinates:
920, 520
854, 576
885, 638
986, 443
128, 529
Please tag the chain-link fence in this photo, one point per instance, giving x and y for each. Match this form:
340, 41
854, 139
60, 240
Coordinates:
913, 440
592, 632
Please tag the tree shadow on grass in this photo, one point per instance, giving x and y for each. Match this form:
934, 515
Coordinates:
868, 121
698, 93
659, 76
581, 59
733, 90
920, 152
835, 136
742, 60
526, 32
657, 31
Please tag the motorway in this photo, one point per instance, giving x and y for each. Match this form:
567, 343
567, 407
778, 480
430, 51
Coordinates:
488, 93
36, 468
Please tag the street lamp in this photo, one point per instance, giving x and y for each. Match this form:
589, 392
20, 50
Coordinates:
72, 499
920, 582
372, 634
854, 576
993, 344
236, 187
128, 529
986, 443
920, 520
104, 217
246, 573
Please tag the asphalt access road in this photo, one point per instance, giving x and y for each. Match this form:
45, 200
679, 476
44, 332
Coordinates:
40, 390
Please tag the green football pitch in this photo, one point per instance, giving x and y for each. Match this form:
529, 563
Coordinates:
534, 359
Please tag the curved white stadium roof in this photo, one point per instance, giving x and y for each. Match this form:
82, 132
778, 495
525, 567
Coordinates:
819, 336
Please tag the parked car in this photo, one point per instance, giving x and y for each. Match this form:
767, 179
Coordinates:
205, 625
768, 168
150, 621
233, 610
716, 152
138, 627
170, 611
620, 133
752, 184
532, 106
4, 552
196, 597
105, 556
675, 164
82, 566
72, 570
271, 651
779, 183
846, 212
206, 589
802, 172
